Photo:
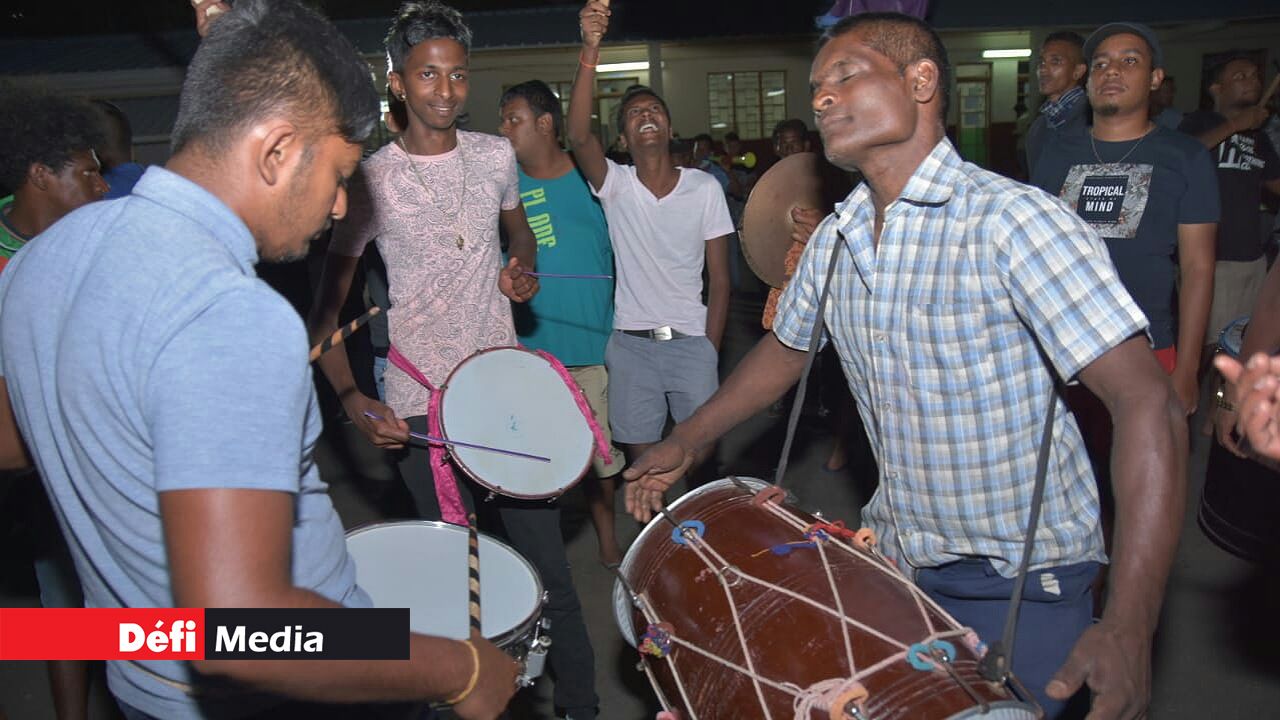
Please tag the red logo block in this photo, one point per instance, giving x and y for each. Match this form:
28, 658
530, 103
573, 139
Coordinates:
102, 634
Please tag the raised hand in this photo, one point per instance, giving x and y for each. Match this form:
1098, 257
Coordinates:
593, 21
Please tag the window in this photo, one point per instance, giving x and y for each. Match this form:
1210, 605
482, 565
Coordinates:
750, 103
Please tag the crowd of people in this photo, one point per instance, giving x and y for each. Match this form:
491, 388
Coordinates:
966, 311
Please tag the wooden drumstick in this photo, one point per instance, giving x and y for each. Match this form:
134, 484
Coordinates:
473, 573
1271, 90
343, 333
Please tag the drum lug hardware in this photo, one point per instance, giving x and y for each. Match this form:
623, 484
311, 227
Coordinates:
490, 496
944, 659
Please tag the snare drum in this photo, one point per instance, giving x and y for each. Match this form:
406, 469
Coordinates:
512, 398
422, 565
747, 609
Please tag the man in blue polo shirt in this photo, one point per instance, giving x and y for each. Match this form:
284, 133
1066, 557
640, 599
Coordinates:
165, 394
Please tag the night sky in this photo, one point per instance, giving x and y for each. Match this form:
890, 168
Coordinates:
77, 17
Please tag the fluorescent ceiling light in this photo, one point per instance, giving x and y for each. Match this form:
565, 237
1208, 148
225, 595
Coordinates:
998, 54
628, 66
775, 93
719, 125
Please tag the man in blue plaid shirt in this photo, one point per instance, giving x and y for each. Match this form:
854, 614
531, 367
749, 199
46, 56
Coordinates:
959, 301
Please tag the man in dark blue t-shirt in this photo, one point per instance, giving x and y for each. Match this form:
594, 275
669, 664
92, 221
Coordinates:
1150, 192
1246, 161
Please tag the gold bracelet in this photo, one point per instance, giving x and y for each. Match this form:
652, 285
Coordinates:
475, 675
1220, 398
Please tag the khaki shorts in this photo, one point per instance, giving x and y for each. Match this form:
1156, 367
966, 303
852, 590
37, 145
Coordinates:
1235, 287
594, 381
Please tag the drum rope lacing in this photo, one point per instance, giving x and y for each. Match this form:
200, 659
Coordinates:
827, 693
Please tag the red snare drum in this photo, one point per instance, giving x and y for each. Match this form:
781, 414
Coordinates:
743, 608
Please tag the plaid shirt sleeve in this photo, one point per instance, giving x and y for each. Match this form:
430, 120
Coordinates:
1062, 281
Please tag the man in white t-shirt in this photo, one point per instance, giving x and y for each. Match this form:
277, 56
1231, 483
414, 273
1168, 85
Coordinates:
666, 223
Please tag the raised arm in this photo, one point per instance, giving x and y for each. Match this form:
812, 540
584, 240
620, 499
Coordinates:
593, 21
1250, 118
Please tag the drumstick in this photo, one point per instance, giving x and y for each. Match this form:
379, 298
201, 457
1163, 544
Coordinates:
343, 333
473, 574
458, 443
570, 275
1271, 90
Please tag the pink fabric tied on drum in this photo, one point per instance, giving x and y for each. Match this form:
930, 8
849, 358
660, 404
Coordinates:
602, 445
452, 510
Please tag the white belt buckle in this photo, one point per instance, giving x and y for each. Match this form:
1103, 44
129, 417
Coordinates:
662, 333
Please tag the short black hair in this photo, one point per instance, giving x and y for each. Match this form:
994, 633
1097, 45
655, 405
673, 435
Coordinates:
901, 38
117, 133
418, 22
1220, 65
541, 98
274, 57
732, 136
40, 127
632, 93
1066, 36
795, 125
701, 137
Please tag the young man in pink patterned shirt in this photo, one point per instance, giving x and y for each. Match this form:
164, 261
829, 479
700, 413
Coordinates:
434, 201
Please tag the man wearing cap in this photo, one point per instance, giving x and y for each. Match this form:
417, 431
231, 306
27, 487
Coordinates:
1149, 191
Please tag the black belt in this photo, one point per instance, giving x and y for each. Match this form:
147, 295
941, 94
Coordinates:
666, 332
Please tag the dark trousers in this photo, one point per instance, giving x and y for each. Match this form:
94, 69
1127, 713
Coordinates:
533, 528
1049, 623
317, 711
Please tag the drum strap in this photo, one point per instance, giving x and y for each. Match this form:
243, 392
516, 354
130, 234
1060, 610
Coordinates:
446, 484
579, 399
995, 665
818, 323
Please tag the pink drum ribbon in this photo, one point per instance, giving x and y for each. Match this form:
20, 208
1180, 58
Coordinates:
452, 510
602, 445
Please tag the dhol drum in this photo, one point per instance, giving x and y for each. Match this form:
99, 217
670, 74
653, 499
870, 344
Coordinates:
1237, 506
744, 606
514, 399
422, 565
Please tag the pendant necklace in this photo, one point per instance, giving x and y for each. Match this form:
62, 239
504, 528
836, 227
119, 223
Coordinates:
460, 242
1094, 144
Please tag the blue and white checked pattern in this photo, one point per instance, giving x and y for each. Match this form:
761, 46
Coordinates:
936, 330
1056, 112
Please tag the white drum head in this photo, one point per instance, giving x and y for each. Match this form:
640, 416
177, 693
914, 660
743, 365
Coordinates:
422, 566
513, 399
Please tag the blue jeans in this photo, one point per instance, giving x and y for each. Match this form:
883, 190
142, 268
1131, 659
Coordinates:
1049, 623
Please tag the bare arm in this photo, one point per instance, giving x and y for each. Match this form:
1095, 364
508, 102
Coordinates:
586, 147
231, 548
322, 321
13, 452
761, 378
1148, 466
513, 281
717, 288
1249, 119
1195, 296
